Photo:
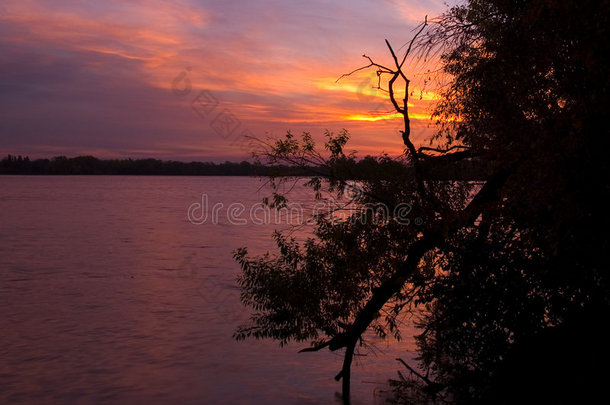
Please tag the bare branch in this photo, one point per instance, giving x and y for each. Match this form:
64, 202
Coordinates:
411, 369
398, 69
381, 69
426, 148
392, 98
315, 348
412, 41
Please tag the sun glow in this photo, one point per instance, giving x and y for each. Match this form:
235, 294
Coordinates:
385, 116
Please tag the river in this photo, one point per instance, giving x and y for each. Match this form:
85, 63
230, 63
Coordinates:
110, 292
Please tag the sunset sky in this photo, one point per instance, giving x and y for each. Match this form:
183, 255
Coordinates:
107, 78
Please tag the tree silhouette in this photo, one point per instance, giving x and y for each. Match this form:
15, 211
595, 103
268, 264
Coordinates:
503, 273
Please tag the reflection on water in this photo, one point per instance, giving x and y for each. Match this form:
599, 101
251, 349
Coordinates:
109, 294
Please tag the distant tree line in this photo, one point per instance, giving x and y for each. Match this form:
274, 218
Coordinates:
363, 169
89, 165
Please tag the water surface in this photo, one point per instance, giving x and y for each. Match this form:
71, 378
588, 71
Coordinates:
108, 294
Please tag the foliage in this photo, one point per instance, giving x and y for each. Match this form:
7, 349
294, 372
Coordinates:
529, 91
509, 276
313, 290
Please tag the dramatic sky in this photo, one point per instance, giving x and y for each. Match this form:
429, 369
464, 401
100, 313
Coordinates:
186, 79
